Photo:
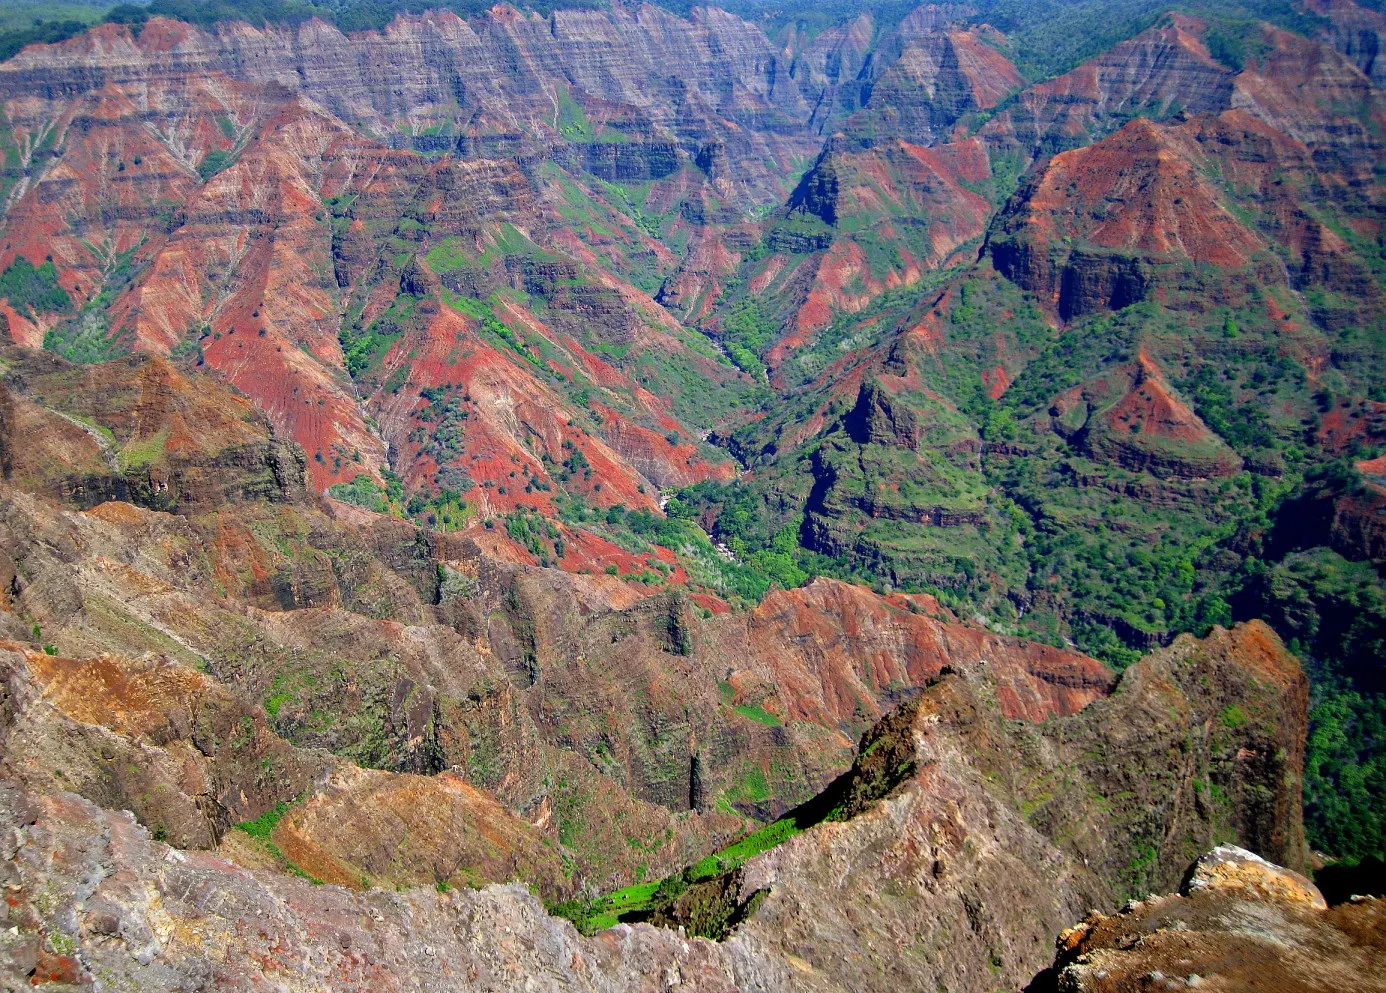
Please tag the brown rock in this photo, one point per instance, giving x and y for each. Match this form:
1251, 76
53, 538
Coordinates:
1240, 924
1228, 867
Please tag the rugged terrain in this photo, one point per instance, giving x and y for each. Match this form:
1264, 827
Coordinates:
998, 834
499, 474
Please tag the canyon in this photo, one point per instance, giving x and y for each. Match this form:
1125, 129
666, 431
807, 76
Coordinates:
748, 500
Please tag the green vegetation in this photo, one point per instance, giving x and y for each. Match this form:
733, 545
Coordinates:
759, 714
639, 530
214, 162
363, 348
87, 337
362, 491
263, 826
537, 534
142, 453
347, 15
1068, 537
1333, 614
639, 900
34, 289
1345, 773
262, 829
572, 119
746, 332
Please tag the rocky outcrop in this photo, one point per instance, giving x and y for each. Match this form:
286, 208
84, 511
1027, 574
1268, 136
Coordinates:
294, 232
1117, 222
1246, 698
191, 760
970, 847
878, 419
1131, 417
1199, 936
1358, 528
894, 210
156, 914
1141, 213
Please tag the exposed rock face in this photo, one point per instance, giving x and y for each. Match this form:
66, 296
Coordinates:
191, 759
415, 653
396, 250
1248, 699
713, 76
159, 919
877, 420
1228, 867
1131, 417
1358, 33
828, 647
970, 847
139, 431
957, 863
1164, 69
1205, 936
288, 218
151, 736
927, 78
1105, 226
891, 185
1358, 518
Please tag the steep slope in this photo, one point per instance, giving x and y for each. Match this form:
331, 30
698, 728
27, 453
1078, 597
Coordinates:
505, 82
1358, 33
961, 859
890, 196
445, 267
1164, 70
888, 214
587, 704
983, 846
293, 240
1297, 102
927, 77
137, 430
1116, 222
191, 760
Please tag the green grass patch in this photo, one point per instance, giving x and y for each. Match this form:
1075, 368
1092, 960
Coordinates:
263, 826
757, 713
137, 455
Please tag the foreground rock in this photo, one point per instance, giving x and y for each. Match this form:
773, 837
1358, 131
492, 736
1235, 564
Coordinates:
987, 837
955, 880
1238, 923
91, 895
